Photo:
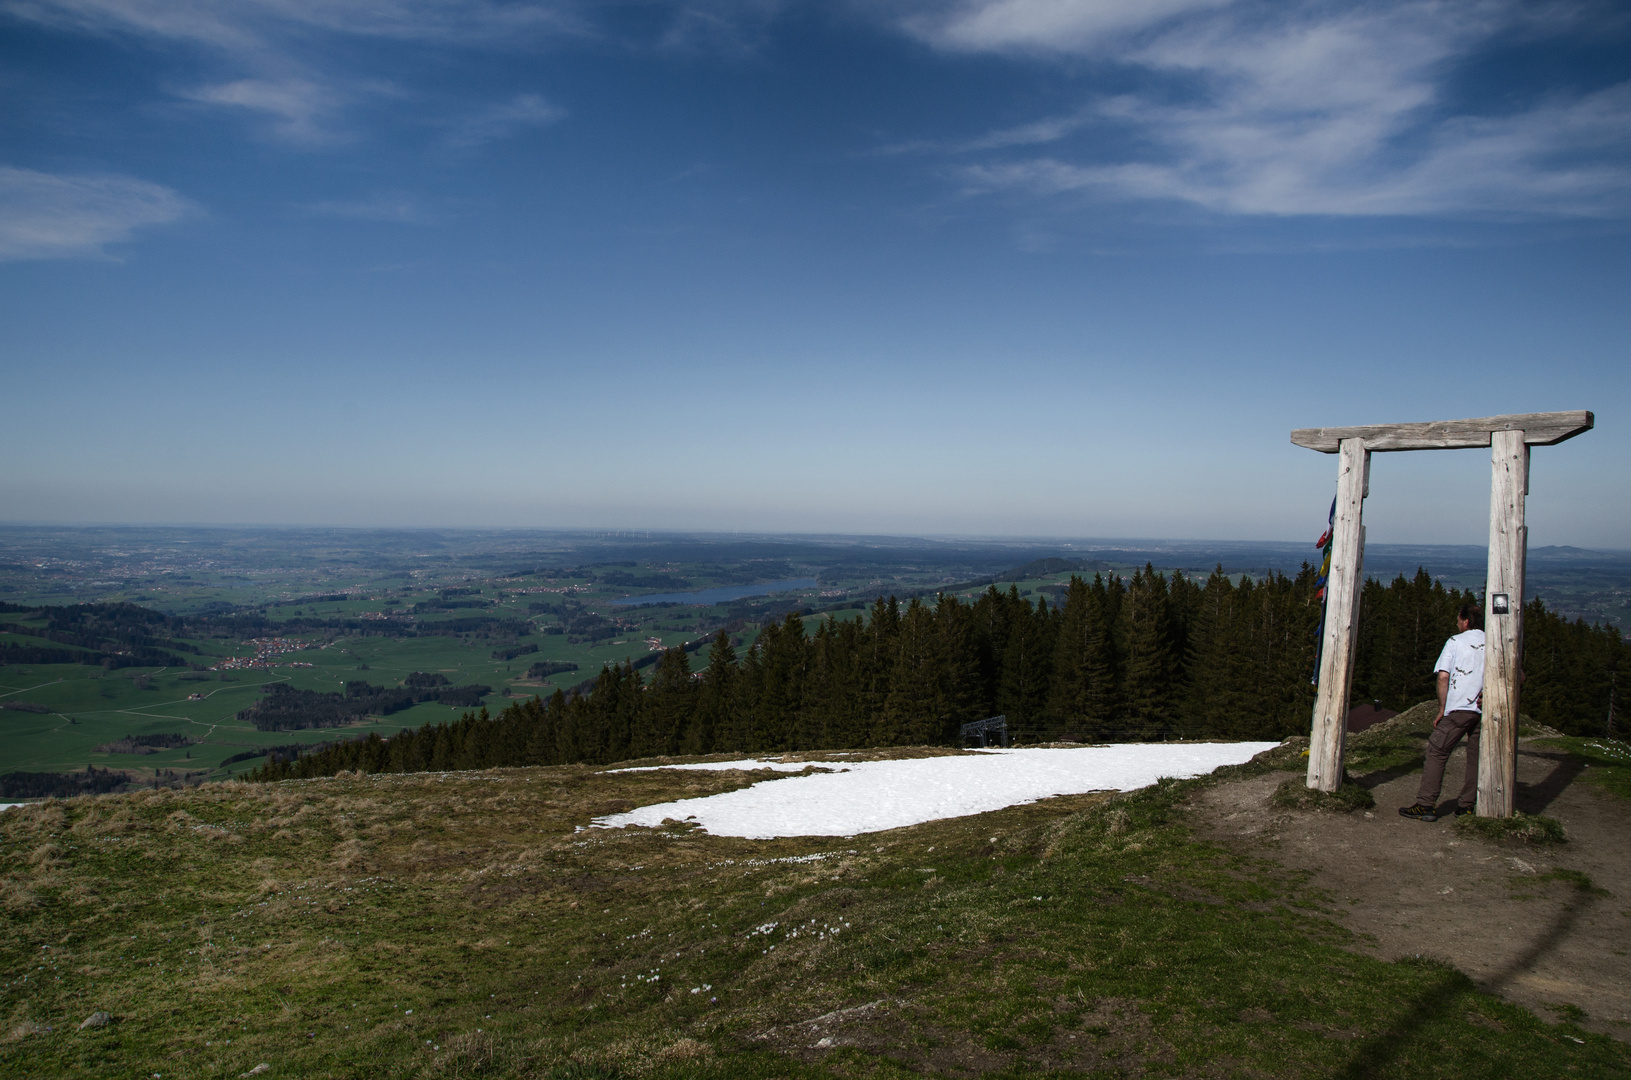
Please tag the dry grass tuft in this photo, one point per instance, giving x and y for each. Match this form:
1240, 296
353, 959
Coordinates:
683, 1051
44, 856
16, 895
351, 855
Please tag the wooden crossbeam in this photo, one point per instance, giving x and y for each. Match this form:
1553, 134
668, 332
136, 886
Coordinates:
1539, 429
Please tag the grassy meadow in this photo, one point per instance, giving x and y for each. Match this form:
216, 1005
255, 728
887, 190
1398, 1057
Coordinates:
91, 707
465, 924
88, 707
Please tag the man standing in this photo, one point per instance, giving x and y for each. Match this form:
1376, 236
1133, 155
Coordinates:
1460, 670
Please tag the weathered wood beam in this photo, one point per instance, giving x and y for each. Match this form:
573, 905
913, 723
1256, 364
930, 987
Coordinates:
1539, 429
1328, 738
1503, 624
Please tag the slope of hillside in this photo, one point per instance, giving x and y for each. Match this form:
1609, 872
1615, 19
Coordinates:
460, 924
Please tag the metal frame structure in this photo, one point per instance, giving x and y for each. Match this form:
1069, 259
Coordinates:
984, 729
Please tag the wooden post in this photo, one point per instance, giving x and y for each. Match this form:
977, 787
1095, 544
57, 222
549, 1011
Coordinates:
1330, 729
1503, 623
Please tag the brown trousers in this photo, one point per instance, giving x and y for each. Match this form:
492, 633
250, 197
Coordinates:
1439, 745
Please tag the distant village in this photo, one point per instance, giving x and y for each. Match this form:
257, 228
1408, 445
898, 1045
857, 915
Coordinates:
267, 650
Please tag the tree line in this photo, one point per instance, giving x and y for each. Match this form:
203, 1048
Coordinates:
1151, 657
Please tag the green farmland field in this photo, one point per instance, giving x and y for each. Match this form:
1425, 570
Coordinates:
91, 708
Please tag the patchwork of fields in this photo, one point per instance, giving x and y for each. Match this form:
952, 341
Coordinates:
471, 620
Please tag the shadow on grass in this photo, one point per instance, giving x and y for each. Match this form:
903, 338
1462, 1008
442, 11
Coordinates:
1443, 993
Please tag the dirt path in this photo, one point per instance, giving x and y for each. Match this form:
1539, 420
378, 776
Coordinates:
1499, 912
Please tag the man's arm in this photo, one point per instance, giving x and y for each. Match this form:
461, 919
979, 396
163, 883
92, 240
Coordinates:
1443, 695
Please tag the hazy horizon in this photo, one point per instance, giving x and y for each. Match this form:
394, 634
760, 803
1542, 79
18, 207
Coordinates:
656, 534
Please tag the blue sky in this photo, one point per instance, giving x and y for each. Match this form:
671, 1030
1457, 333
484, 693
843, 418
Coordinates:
997, 267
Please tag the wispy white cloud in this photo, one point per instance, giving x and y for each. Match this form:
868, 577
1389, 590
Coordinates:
381, 206
269, 44
244, 25
222, 26
505, 119
298, 108
1034, 133
49, 216
727, 27
1318, 109
1047, 130
1046, 26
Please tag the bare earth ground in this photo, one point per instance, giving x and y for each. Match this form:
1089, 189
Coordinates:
1491, 909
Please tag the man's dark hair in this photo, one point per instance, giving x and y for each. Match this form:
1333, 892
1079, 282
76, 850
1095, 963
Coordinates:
1473, 613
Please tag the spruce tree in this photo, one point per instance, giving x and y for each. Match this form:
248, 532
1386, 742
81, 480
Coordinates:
669, 704
1150, 670
961, 687
713, 726
778, 661
845, 721
913, 711
1022, 690
1212, 696
878, 664
1070, 693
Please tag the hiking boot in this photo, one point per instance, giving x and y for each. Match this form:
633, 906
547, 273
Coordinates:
1419, 813
1463, 811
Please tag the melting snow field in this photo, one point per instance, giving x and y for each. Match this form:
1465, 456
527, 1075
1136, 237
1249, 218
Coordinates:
871, 796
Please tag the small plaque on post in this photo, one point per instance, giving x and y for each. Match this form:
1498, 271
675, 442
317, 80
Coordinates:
1498, 604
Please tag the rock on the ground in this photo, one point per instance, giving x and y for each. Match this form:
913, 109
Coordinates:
95, 1020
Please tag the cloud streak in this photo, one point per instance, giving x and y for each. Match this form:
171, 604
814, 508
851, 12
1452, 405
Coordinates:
1042, 26
1322, 109
297, 108
505, 119
384, 207
48, 216
253, 25
269, 43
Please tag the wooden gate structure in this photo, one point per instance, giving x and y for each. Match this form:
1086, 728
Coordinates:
1509, 439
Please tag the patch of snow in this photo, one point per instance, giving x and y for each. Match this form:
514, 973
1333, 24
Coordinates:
9, 805
871, 796
747, 765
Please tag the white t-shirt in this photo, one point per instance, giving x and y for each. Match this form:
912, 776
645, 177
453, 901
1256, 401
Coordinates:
1463, 658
